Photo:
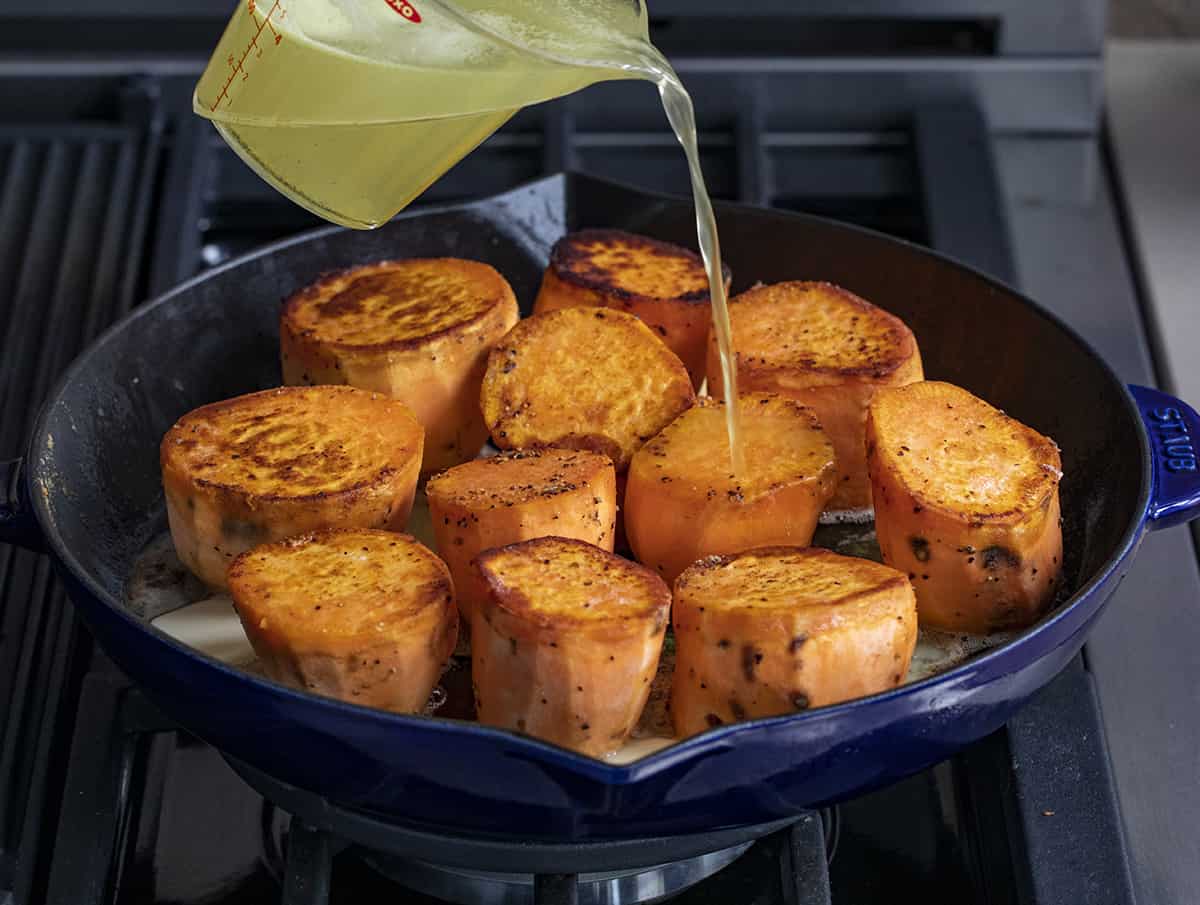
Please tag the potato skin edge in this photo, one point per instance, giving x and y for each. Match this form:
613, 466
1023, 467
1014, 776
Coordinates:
579, 684
437, 376
212, 523
970, 575
395, 672
738, 664
587, 513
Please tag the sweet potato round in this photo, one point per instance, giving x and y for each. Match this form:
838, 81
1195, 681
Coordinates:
582, 378
418, 330
269, 465
518, 496
566, 642
663, 284
364, 616
966, 503
781, 629
683, 501
830, 350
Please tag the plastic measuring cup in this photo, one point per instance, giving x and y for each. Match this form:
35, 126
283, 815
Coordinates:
353, 107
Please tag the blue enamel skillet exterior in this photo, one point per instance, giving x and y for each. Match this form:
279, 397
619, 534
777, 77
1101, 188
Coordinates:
89, 493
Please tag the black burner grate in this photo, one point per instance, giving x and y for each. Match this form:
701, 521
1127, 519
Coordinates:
75, 203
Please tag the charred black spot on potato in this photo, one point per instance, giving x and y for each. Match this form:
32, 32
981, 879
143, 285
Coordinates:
800, 700
512, 646
751, 657
713, 720
995, 557
920, 548
796, 643
738, 711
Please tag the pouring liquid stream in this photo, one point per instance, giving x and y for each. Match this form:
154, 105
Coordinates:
352, 108
678, 107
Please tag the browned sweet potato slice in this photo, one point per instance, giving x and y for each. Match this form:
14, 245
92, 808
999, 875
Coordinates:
269, 465
567, 641
417, 330
966, 502
683, 501
518, 496
364, 616
829, 349
663, 284
781, 629
582, 378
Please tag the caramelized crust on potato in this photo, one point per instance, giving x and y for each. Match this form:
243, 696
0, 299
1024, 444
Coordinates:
829, 349
966, 502
781, 629
417, 330
663, 284
518, 496
364, 616
683, 502
280, 462
582, 378
566, 643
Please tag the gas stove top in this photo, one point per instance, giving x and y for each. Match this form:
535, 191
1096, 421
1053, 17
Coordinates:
971, 126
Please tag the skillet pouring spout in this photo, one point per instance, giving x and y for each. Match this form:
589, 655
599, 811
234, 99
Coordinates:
90, 492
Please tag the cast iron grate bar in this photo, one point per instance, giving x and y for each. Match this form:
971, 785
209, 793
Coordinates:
180, 225
752, 169
1068, 812
72, 198
309, 865
555, 889
964, 209
558, 149
805, 859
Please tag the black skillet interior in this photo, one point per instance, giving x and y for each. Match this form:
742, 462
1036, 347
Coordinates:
95, 462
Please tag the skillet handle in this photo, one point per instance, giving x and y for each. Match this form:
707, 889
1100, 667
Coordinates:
17, 524
1174, 431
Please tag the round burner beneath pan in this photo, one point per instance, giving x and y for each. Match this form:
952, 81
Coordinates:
617, 887
500, 853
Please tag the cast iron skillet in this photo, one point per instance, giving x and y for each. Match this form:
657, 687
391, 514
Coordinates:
90, 493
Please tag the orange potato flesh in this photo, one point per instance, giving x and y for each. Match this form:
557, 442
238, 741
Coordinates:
582, 378
363, 616
966, 503
781, 629
417, 330
683, 502
661, 283
517, 496
273, 464
828, 349
566, 642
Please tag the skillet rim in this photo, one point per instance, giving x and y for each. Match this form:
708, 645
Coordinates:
592, 768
